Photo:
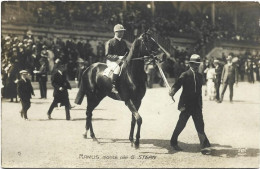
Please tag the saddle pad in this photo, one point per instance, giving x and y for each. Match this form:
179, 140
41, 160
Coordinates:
107, 72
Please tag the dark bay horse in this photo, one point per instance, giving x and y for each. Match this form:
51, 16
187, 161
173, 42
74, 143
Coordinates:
131, 85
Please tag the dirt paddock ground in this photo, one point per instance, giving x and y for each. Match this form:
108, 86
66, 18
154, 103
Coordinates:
233, 130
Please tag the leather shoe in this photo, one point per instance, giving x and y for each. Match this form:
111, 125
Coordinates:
205, 151
49, 116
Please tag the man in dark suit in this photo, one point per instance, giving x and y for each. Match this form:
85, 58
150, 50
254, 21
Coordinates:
228, 78
25, 90
60, 93
190, 103
42, 76
218, 71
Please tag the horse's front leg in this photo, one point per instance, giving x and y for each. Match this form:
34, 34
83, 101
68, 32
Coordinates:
131, 135
135, 117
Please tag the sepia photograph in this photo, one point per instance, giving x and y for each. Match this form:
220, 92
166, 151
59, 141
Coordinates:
130, 84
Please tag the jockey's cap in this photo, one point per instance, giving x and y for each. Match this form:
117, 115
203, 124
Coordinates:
119, 27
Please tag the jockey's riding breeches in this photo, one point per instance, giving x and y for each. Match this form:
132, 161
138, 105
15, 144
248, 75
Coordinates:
113, 66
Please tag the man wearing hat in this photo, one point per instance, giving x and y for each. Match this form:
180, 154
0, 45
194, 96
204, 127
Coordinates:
25, 90
61, 85
218, 71
81, 68
228, 78
43, 77
190, 103
115, 50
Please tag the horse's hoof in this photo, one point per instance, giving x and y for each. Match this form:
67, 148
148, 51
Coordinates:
132, 143
85, 136
137, 145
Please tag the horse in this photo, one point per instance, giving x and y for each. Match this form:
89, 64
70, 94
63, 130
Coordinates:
131, 84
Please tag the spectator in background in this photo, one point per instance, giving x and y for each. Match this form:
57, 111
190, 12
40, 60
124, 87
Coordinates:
210, 75
251, 72
218, 71
101, 52
150, 71
80, 69
11, 85
42, 77
25, 90
228, 78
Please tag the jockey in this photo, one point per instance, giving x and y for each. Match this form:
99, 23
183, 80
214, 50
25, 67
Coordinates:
115, 50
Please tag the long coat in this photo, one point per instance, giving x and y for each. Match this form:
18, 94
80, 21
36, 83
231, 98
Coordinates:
229, 74
25, 89
191, 97
58, 81
11, 86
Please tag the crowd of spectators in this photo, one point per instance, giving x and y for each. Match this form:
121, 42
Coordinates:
27, 53
167, 20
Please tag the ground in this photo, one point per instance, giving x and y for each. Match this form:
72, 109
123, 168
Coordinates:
232, 128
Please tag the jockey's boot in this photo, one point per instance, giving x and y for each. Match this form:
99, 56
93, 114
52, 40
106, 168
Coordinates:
114, 78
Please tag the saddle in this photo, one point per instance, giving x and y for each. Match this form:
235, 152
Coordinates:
108, 72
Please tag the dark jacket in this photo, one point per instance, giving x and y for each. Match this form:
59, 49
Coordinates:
229, 74
115, 48
43, 73
58, 81
218, 71
191, 97
25, 89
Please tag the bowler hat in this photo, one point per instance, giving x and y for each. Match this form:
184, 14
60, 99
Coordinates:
195, 58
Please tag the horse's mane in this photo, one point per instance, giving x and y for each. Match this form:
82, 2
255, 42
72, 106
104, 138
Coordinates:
133, 52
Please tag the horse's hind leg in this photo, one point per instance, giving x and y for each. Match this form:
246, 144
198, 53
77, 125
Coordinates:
93, 101
138, 119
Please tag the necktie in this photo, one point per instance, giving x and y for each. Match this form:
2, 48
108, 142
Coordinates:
194, 80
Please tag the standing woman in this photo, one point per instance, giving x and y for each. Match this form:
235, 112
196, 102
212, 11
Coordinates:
211, 76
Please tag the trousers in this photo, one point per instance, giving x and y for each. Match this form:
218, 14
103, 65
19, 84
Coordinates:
67, 108
26, 104
199, 125
230, 90
113, 66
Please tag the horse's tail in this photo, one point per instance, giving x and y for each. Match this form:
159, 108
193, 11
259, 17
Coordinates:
87, 84
81, 93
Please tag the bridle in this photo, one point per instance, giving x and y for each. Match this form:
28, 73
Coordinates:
150, 54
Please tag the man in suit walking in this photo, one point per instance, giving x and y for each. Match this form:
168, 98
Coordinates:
190, 103
25, 90
228, 78
60, 93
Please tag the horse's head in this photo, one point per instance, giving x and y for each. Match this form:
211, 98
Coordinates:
151, 48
